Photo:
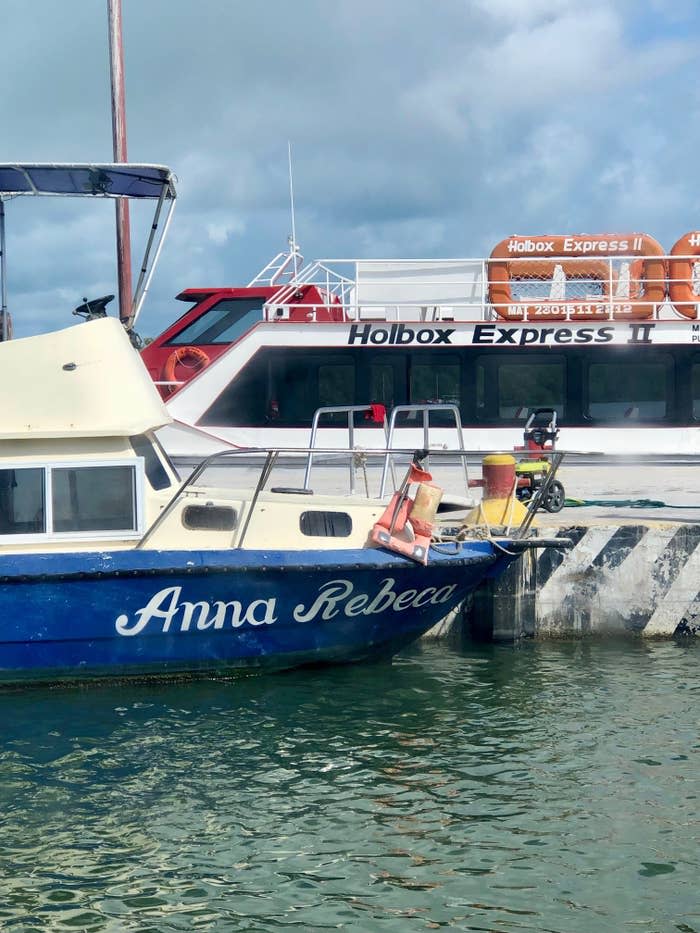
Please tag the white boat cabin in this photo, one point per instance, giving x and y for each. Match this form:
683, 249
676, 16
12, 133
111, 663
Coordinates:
81, 467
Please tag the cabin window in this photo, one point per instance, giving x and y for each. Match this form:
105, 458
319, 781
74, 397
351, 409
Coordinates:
336, 384
437, 381
506, 389
627, 391
209, 518
102, 499
695, 389
325, 524
96, 498
222, 323
524, 387
156, 474
22, 501
381, 384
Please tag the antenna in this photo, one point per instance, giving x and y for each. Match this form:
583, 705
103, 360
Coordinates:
293, 242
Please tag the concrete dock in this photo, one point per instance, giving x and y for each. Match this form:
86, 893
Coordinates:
634, 569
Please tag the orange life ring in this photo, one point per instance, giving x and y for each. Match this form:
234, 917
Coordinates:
182, 355
582, 256
681, 291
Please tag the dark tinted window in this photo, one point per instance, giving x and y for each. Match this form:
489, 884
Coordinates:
435, 381
222, 323
209, 518
695, 389
629, 390
22, 509
506, 388
155, 471
325, 524
381, 384
100, 498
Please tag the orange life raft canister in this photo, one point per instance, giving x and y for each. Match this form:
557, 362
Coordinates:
584, 258
681, 269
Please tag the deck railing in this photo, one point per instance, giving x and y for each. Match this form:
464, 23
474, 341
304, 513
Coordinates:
522, 289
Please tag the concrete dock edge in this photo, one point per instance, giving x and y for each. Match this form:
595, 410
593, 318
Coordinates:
634, 579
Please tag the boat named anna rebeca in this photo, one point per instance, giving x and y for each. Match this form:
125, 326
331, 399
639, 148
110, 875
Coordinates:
110, 567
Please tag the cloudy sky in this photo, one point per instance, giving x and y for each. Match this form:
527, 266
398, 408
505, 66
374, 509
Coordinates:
419, 128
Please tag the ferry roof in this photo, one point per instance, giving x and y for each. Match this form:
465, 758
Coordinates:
86, 179
84, 381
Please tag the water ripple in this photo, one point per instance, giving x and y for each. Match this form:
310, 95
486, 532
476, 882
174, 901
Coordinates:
551, 787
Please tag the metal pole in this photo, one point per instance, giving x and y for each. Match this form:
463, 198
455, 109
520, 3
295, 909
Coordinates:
116, 61
3, 273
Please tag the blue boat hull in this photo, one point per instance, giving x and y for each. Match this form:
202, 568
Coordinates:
137, 613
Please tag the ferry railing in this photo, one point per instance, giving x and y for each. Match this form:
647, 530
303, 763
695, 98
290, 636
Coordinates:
284, 263
330, 281
541, 289
349, 411
401, 290
400, 413
425, 411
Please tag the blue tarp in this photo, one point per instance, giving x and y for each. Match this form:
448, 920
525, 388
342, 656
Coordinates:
86, 179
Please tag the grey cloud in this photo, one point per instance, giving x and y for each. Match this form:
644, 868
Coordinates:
417, 129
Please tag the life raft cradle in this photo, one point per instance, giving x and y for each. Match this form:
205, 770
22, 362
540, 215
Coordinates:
584, 258
683, 284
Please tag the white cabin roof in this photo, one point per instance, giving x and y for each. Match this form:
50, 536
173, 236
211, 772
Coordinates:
84, 381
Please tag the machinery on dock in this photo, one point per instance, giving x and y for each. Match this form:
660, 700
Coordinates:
540, 435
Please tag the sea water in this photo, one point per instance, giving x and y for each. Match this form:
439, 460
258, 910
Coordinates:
546, 787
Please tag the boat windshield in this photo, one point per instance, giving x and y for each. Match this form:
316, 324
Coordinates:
222, 323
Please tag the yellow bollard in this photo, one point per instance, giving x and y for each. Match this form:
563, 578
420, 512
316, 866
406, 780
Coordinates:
499, 506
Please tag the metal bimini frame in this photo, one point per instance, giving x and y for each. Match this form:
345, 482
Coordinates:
91, 180
424, 411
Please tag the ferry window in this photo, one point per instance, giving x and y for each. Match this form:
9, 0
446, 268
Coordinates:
221, 323
22, 506
628, 391
381, 384
695, 389
155, 471
294, 391
523, 385
99, 498
436, 382
336, 384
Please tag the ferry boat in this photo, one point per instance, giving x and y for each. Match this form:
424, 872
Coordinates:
602, 328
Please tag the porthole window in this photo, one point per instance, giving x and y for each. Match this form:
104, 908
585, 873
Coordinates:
325, 524
209, 518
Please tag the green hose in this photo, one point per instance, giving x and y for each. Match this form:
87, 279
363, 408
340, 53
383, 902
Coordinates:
626, 504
